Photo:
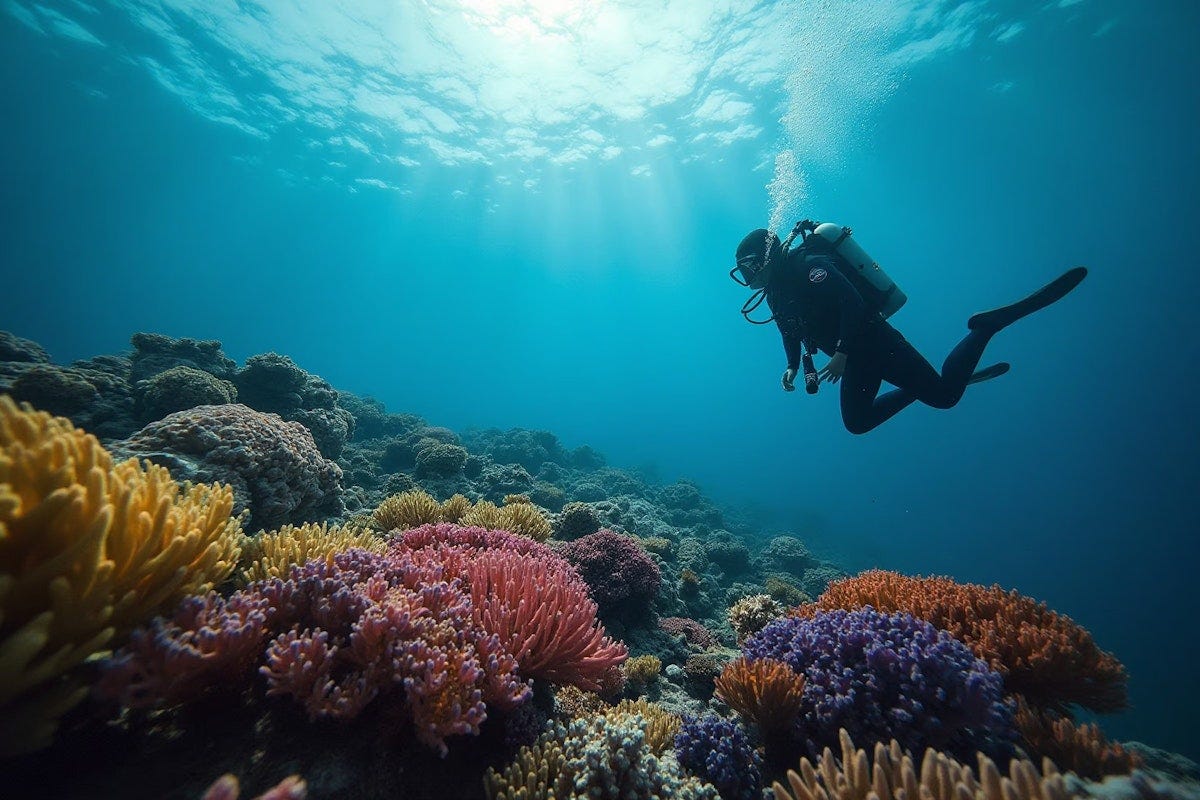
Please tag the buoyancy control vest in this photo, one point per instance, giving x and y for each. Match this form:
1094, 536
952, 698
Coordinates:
878, 291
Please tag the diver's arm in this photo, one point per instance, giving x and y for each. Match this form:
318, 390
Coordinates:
793, 340
852, 311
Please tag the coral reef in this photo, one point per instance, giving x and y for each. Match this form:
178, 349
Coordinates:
437, 459
15, 349
273, 554
575, 521
449, 619
719, 752
891, 774
888, 676
660, 725
409, 509
642, 670
1044, 656
618, 571
1081, 749
87, 550
154, 353
178, 389
751, 614
276, 471
696, 634
226, 788
597, 758
765, 692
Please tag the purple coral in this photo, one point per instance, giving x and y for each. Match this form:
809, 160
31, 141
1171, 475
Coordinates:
275, 468
719, 752
614, 567
883, 676
340, 634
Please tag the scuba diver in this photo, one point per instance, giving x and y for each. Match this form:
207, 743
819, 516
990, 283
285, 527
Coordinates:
827, 294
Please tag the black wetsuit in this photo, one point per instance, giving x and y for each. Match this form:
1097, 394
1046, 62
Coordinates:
810, 298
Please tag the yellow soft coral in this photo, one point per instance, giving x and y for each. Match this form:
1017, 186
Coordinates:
87, 551
454, 508
524, 519
484, 514
271, 555
406, 510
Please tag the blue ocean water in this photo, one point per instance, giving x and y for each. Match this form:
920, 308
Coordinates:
522, 212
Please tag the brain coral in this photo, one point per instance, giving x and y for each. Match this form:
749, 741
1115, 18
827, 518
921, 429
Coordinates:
275, 469
178, 389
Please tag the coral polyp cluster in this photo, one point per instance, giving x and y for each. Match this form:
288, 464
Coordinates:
450, 621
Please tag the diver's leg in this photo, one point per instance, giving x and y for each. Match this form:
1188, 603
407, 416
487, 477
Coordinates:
909, 370
1057, 289
862, 411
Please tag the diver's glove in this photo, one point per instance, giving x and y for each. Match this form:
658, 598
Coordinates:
789, 380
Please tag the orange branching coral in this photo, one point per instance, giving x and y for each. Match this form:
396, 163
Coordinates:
88, 549
892, 775
766, 692
1044, 656
1081, 749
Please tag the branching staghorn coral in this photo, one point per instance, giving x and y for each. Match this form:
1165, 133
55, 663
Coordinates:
892, 775
766, 692
272, 555
1044, 656
87, 550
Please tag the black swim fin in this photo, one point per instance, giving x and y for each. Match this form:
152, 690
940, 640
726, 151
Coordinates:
1057, 289
987, 373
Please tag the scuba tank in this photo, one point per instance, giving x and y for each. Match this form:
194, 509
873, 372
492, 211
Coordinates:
876, 288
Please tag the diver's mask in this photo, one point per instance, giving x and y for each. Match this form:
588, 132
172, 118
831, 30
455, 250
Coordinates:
751, 271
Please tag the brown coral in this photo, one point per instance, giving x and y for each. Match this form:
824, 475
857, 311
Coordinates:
751, 614
1044, 656
406, 510
87, 551
641, 670
524, 519
271, 555
484, 514
893, 776
659, 724
766, 692
454, 508
1081, 749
